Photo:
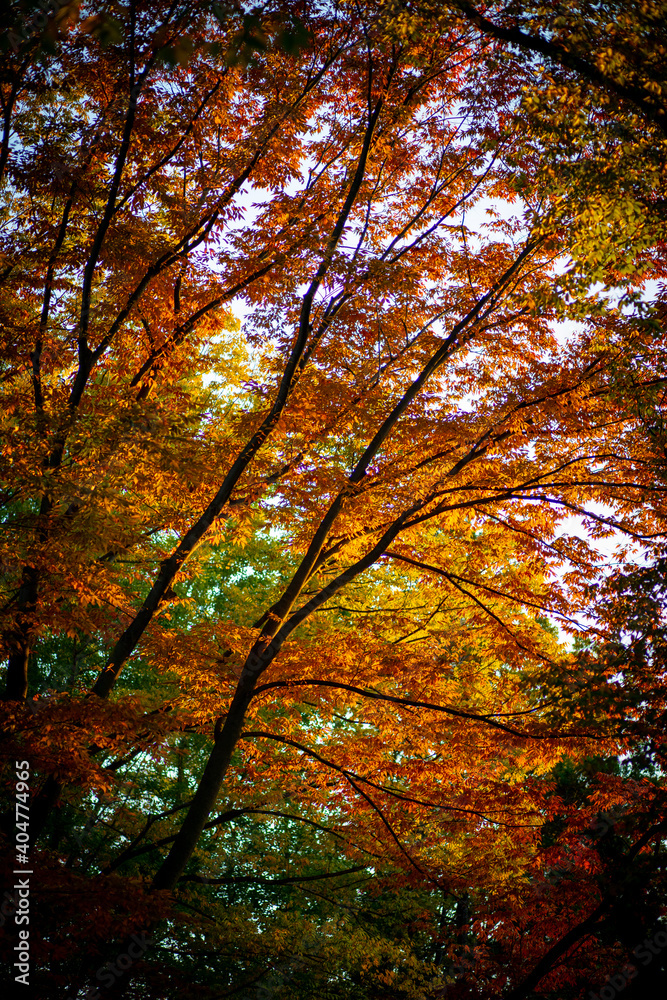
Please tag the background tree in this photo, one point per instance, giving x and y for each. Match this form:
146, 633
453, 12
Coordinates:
311, 556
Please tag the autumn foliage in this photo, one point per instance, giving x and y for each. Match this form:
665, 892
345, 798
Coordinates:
333, 492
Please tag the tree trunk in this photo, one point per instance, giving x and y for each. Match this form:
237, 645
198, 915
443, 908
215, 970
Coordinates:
18, 638
209, 787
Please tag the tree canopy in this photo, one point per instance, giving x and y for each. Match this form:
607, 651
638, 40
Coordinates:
333, 491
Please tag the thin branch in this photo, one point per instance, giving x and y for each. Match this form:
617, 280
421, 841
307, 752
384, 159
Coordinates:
260, 880
488, 719
349, 777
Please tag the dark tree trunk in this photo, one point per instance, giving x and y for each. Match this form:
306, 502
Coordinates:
19, 638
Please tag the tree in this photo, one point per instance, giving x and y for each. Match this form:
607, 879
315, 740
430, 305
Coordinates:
390, 441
